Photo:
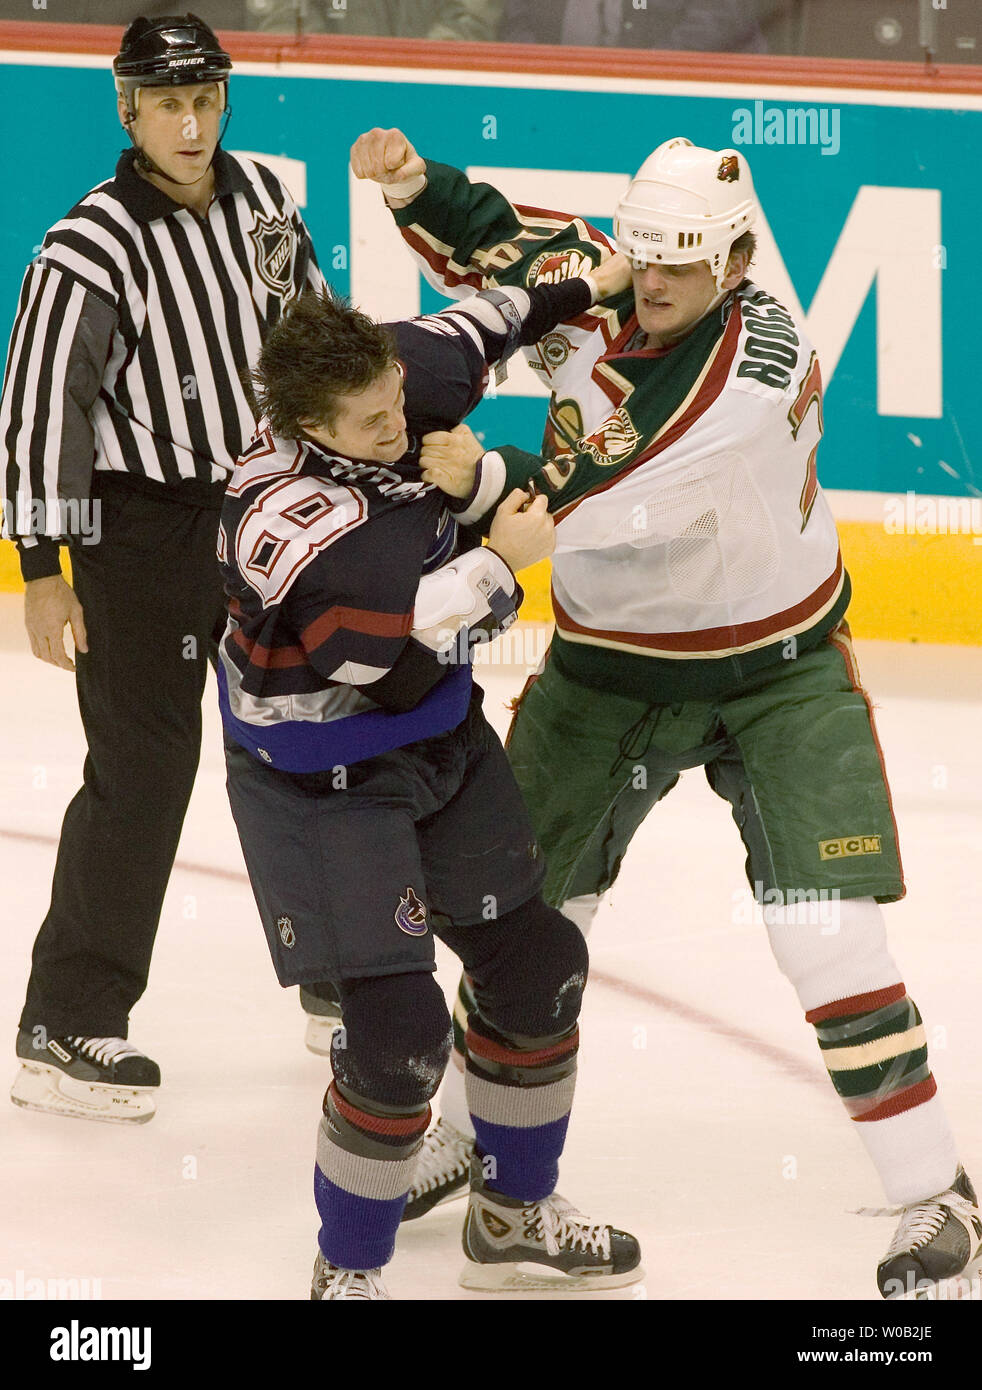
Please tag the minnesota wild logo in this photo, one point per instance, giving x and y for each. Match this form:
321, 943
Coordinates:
553, 266
613, 441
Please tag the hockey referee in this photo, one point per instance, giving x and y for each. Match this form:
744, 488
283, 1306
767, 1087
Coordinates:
121, 417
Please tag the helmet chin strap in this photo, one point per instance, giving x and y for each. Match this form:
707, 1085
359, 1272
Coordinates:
145, 163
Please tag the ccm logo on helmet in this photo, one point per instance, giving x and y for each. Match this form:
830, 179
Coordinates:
647, 236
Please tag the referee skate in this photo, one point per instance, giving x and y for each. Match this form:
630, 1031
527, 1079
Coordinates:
86, 1078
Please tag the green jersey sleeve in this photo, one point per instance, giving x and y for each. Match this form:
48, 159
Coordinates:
468, 236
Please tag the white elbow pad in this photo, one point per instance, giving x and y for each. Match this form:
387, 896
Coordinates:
475, 591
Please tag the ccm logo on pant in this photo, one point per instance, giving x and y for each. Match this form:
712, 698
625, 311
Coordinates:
853, 844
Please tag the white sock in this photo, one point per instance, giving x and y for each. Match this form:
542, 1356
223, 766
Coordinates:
913, 1152
581, 911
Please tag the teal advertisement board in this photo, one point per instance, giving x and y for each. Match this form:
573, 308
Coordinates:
871, 218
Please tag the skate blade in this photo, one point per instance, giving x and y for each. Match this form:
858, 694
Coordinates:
319, 1035
529, 1278
38, 1087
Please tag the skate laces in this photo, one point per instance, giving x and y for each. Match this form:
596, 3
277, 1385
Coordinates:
105, 1050
921, 1222
562, 1226
445, 1153
351, 1283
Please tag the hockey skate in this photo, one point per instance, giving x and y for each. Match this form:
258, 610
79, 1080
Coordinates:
569, 1253
330, 1282
323, 1020
86, 1078
935, 1253
443, 1170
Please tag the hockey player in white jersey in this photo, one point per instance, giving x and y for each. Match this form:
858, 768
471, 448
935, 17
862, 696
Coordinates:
699, 596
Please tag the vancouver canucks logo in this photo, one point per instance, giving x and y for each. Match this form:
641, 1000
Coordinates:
275, 245
411, 914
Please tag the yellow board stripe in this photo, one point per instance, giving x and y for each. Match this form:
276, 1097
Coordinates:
879, 1050
905, 588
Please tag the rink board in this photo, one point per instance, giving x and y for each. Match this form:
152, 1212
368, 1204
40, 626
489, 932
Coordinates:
869, 231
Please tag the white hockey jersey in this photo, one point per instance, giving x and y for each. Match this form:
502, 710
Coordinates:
694, 545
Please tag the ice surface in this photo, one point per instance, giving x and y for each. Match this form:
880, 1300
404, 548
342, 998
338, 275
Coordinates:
704, 1121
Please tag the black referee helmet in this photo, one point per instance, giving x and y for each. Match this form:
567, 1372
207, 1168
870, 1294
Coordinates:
175, 50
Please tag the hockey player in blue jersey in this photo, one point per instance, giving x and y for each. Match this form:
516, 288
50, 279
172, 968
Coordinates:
374, 803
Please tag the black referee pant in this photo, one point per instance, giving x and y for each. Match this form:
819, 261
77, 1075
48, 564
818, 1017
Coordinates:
152, 598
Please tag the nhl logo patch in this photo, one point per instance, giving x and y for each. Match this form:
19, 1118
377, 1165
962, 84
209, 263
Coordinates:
275, 245
410, 915
284, 925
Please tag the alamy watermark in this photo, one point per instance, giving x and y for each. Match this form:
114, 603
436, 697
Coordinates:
24, 1287
913, 515
812, 907
79, 517
787, 125
83, 1343
521, 644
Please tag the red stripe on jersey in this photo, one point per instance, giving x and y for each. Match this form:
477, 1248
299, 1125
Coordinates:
440, 265
721, 639
325, 625
857, 1004
899, 1102
269, 658
319, 631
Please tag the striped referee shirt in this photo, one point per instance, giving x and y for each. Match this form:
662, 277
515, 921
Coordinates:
134, 325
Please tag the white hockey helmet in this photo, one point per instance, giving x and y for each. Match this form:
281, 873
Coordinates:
686, 204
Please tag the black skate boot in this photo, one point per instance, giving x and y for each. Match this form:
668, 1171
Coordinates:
936, 1249
569, 1252
87, 1078
443, 1170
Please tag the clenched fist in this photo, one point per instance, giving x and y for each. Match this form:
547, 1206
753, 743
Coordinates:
522, 532
387, 157
449, 458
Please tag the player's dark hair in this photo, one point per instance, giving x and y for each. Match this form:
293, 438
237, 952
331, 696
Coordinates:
320, 350
746, 241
